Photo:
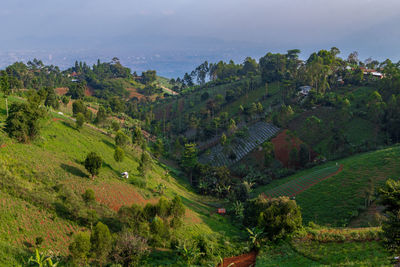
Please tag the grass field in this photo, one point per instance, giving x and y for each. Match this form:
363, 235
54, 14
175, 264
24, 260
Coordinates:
337, 200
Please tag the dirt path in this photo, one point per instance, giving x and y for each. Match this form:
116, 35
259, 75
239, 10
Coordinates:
245, 260
318, 181
172, 92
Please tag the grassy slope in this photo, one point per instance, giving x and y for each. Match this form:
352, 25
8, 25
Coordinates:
55, 159
338, 199
313, 253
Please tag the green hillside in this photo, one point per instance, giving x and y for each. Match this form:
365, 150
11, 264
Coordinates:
43, 178
340, 198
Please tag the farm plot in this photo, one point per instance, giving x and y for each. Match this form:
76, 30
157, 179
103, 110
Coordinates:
300, 184
21, 223
258, 134
113, 194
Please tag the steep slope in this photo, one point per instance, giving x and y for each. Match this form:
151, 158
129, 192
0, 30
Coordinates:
38, 179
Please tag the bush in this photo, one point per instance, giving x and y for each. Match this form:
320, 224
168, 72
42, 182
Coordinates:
101, 242
23, 122
78, 107
93, 163
80, 120
121, 139
80, 248
89, 196
277, 217
129, 249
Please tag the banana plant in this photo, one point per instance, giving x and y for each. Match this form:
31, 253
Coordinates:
41, 260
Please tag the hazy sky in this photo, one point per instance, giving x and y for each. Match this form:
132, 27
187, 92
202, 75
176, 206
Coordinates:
202, 26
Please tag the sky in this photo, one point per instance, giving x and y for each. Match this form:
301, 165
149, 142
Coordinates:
161, 33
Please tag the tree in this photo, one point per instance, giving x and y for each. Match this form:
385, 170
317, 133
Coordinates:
23, 122
89, 196
101, 243
276, 217
119, 154
78, 107
80, 120
269, 154
80, 248
5, 88
77, 90
304, 155
65, 99
189, 158
121, 139
101, 115
158, 148
129, 249
93, 163
390, 198
115, 125
137, 136
51, 99
144, 163
149, 76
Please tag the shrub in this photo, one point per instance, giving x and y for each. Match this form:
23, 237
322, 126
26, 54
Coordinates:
277, 217
121, 139
78, 107
93, 163
23, 122
89, 196
80, 120
129, 249
101, 242
119, 154
80, 248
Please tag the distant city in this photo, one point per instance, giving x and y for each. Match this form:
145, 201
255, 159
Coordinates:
167, 64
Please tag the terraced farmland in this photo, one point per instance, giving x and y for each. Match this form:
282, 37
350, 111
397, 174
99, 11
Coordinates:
297, 186
258, 134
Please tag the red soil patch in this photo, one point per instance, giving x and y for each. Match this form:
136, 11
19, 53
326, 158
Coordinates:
283, 144
56, 119
133, 93
89, 91
114, 194
245, 260
61, 90
93, 110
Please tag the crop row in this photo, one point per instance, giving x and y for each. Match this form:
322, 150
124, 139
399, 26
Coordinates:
258, 134
21, 223
298, 185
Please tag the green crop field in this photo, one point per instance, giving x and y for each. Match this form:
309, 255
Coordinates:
300, 184
313, 253
337, 200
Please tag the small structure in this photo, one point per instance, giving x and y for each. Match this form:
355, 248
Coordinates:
125, 175
221, 211
371, 72
305, 90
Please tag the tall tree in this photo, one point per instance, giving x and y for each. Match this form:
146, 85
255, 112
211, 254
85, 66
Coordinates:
189, 159
5, 87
